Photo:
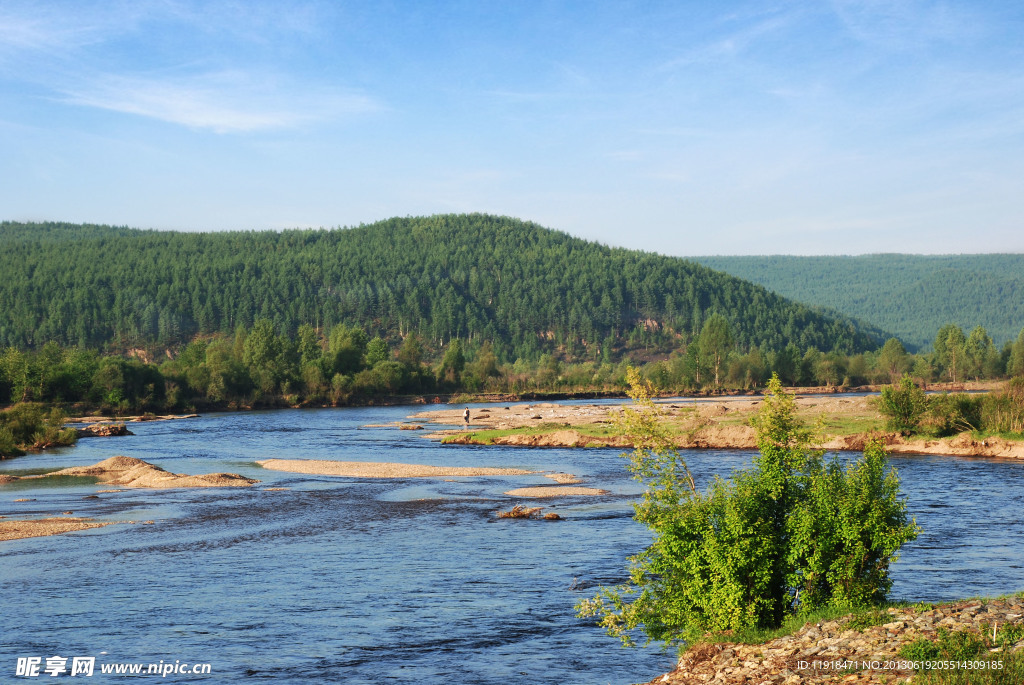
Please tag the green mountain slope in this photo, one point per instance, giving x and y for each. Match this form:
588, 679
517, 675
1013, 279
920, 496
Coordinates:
910, 295
527, 288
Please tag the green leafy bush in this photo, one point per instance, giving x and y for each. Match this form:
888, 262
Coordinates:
29, 425
8, 446
790, 535
952, 413
904, 405
1003, 412
960, 645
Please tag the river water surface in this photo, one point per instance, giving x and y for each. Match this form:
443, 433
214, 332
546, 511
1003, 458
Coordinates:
376, 581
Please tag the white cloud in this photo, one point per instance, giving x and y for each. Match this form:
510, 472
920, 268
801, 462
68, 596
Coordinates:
226, 102
905, 24
734, 43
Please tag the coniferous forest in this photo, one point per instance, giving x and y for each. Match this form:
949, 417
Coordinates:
526, 289
118, 320
911, 296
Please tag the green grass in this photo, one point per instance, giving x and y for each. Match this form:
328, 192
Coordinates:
969, 646
950, 645
981, 435
850, 425
868, 619
862, 617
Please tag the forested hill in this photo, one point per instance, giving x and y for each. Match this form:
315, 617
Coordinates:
526, 288
911, 295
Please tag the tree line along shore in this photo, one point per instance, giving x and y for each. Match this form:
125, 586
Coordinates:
262, 367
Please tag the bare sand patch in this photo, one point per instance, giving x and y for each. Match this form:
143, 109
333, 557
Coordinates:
554, 491
6, 479
563, 478
135, 473
369, 469
35, 528
520, 415
122, 419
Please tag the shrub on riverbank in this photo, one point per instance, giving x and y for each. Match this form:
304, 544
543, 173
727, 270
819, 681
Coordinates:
952, 413
29, 426
910, 411
904, 405
1003, 412
793, 534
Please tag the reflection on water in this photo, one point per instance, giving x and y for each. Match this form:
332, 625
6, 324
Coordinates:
378, 581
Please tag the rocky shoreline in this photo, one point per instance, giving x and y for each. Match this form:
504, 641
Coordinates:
841, 651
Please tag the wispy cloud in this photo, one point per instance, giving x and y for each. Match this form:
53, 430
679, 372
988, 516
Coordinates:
96, 55
905, 25
225, 102
34, 33
733, 43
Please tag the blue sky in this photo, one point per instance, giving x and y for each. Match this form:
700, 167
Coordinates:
685, 128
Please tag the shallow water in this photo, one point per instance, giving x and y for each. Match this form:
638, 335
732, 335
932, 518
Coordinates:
374, 581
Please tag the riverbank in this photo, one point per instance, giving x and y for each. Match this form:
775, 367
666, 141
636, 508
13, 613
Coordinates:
873, 647
842, 423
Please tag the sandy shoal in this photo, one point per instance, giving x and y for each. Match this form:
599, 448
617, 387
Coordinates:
135, 473
365, 469
554, 491
563, 478
35, 528
133, 419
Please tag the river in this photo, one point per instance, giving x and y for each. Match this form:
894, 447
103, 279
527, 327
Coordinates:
377, 581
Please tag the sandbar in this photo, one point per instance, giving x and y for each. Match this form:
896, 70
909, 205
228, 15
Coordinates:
35, 528
135, 473
563, 478
369, 469
555, 491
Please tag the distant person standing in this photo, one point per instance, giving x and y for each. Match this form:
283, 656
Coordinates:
465, 416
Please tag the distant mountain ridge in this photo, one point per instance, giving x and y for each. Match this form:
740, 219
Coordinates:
527, 288
910, 295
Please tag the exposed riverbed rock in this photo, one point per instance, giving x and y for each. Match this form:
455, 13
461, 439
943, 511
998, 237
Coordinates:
834, 652
104, 430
